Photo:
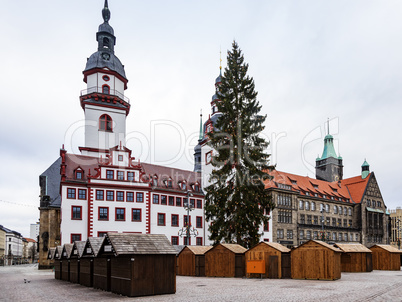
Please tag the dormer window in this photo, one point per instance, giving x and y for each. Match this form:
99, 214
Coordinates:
155, 181
169, 183
79, 174
105, 123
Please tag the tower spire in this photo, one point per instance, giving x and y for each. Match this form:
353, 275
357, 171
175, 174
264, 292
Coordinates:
328, 125
106, 12
220, 62
201, 134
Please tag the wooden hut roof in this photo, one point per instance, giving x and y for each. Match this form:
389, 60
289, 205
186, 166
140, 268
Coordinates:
388, 248
235, 248
50, 253
324, 244
179, 248
278, 246
79, 245
352, 248
199, 249
58, 251
67, 248
131, 244
95, 243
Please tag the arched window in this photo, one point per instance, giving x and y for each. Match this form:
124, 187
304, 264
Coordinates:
105, 89
105, 42
105, 123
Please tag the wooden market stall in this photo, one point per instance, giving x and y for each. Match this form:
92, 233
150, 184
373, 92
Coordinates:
57, 262
225, 260
316, 260
91, 248
76, 253
191, 261
386, 257
355, 257
274, 259
50, 255
141, 264
65, 261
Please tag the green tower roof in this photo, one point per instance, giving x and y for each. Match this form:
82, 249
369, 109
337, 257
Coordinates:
329, 150
365, 164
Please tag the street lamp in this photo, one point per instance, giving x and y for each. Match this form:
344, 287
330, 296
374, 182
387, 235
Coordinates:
188, 230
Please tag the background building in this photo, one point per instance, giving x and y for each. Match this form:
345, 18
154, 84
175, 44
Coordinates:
34, 230
396, 227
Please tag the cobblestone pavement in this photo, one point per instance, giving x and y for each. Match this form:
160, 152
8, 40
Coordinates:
374, 286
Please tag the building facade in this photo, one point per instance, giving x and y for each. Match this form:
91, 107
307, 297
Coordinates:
331, 209
105, 189
34, 230
2, 244
396, 227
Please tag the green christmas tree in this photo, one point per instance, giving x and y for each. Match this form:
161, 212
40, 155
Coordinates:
236, 199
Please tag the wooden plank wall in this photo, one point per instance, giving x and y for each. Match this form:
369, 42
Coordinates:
263, 252
186, 262
313, 261
220, 262
74, 270
86, 272
384, 260
57, 269
65, 270
101, 273
354, 262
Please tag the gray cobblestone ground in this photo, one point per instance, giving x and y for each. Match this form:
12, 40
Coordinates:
374, 286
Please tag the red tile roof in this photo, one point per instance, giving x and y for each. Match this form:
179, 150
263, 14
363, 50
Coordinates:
350, 188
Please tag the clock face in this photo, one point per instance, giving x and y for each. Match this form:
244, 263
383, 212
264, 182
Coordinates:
106, 56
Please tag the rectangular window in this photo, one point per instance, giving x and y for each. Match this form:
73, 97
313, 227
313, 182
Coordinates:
198, 222
102, 234
130, 176
350, 223
120, 175
136, 215
186, 220
175, 240
70, 193
334, 222
289, 234
185, 241
315, 234
199, 204
161, 219
309, 219
302, 219
301, 235
78, 175
120, 157
120, 196
164, 199
178, 201
110, 195
175, 220
130, 196
82, 194
198, 241
103, 213
185, 202
76, 212
279, 233
120, 214
99, 195
109, 174
156, 199
328, 221
308, 235
316, 220
140, 197
345, 223
75, 237
171, 200
266, 227
192, 203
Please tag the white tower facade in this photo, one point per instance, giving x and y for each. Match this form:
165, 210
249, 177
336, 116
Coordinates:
103, 102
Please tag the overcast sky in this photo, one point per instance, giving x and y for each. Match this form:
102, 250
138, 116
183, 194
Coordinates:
311, 60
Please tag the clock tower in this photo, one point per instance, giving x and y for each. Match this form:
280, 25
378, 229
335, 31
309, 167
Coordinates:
103, 101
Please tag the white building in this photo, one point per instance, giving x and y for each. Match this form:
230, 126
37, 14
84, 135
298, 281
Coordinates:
14, 246
34, 230
104, 189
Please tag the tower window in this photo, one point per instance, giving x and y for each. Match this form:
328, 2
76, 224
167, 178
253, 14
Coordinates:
105, 123
105, 42
105, 89
105, 78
